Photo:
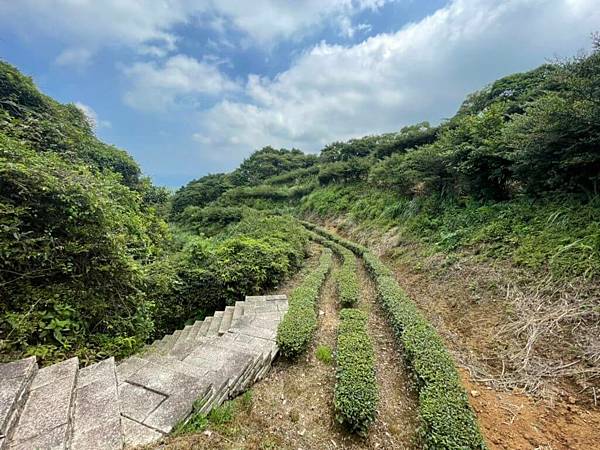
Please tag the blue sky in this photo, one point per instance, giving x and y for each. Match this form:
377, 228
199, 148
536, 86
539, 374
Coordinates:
193, 87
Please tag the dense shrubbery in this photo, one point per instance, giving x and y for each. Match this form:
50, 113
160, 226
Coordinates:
356, 394
87, 266
298, 326
72, 246
448, 421
270, 162
210, 220
47, 126
200, 193
247, 258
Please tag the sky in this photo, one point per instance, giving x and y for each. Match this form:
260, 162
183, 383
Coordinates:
191, 87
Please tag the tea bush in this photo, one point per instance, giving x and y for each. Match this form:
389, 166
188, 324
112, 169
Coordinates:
296, 330
448, 421
356, 393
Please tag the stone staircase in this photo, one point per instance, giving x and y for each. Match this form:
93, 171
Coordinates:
141, 399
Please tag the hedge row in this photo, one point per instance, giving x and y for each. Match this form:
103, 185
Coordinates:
448, 421
346, 279
356, 394
296, 330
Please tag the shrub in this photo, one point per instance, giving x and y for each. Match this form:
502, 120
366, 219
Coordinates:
346, 280
448, 421
356, 394
247, 258
209, 220
72, 246
298, 326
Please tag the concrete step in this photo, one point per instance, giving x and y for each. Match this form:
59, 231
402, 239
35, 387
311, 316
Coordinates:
184, 333
195, 332
205, 326
215, 324
15, 379
44, 421
183, 343
226, 321
238, 311
96, 413
157, 397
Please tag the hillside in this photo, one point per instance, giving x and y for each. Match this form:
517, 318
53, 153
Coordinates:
490, 220
436, 277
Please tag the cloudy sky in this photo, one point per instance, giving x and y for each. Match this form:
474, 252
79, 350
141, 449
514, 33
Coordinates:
191, 87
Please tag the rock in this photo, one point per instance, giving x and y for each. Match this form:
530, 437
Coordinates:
475, 393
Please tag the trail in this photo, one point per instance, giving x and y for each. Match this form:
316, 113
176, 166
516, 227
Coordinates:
292, 408
397, 418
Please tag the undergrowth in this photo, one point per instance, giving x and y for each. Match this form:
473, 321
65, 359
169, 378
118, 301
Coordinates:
557, 233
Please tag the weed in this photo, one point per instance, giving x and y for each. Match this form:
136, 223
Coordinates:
324, 354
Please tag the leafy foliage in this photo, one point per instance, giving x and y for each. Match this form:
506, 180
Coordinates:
297, 328
47, 126
247, 258
346, 279
269, 162
72, 244
199, 193
356, 393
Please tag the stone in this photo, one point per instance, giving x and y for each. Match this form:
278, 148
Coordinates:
45, 417
205, 326
136, 434
137, 402
15, 378
128, 367
96, 413
226, 321
215, 324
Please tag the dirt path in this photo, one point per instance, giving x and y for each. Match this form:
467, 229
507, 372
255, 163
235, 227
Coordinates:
397, 417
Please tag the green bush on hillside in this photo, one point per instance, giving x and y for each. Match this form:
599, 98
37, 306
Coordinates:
297, 328
448, 421
45, 125
247, 258
346, 279
356, 393
72, 246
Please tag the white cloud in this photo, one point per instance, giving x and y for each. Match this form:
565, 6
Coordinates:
421, 72
91, 24
157, 86
92, 116
76, 57
148, 25
267, 20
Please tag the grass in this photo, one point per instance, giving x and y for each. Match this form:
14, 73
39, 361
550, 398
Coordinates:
218, 418
559, 234
324, 354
